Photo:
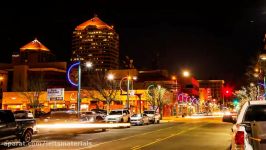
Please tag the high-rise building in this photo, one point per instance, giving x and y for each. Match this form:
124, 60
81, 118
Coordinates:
97, 42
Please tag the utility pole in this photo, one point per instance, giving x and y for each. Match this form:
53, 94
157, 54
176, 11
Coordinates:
79, 85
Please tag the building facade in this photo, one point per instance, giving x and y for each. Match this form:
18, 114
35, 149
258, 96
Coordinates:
216, 87
97, 42
33, 61
17, 101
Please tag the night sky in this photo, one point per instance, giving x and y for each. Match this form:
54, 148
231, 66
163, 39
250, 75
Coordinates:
213, 39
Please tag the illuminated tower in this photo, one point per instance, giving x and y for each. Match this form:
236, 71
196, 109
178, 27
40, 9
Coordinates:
97, 42
33, 52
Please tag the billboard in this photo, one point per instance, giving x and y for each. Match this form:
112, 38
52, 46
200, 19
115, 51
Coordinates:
54, 94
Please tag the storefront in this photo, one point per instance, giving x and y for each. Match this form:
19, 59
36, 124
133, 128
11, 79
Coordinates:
17, 101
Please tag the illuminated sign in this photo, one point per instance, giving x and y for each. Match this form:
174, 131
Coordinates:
55, 94
185, 98
69, 74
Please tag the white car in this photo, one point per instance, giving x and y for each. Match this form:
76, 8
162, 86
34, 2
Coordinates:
249, 129
139, 119
118, 115
153, 116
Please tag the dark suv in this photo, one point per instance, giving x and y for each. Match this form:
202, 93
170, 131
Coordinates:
21, 129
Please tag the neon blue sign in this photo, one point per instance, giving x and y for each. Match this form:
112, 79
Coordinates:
68, 74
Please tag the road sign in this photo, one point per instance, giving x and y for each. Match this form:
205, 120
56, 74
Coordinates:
55, 94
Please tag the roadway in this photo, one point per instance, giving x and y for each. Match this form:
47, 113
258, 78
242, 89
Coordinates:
185, 134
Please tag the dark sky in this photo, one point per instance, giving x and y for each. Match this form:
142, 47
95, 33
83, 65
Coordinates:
213, 39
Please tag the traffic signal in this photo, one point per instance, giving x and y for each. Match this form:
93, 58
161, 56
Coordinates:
235, 102
227, 91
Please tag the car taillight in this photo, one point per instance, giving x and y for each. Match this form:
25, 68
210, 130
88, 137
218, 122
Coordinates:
239, 138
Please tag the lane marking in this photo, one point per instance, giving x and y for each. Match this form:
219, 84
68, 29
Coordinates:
136, 146
162, 139
124, 138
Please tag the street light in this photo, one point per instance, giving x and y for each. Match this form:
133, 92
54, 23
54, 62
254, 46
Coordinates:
110, 77
186, 73
129, 78
88, 65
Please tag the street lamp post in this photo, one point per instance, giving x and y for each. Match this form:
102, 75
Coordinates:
262, 58
129, 78
175, 79
79, 86
1, 88
174, 107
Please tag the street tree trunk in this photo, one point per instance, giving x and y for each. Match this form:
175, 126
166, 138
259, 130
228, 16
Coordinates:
107, 107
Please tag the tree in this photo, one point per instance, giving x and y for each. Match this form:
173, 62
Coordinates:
156, 97
246, 94
107, 89
36, 87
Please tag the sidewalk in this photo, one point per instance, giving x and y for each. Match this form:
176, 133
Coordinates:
186, 118
172, 119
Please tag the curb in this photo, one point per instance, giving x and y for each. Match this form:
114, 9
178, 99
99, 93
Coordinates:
166, 121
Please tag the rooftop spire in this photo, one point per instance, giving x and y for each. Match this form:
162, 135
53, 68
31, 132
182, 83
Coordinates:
34, 45
95, 21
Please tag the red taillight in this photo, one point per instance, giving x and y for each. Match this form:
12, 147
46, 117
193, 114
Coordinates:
239, 138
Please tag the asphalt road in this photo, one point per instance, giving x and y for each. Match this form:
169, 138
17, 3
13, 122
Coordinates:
188, 134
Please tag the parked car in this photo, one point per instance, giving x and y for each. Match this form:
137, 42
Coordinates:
21, 129
62, 117
139, 119
23, 114
249, 128
118, 115
86, 113
101, 112
92, 119
153, 116
72, 117
41, 114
